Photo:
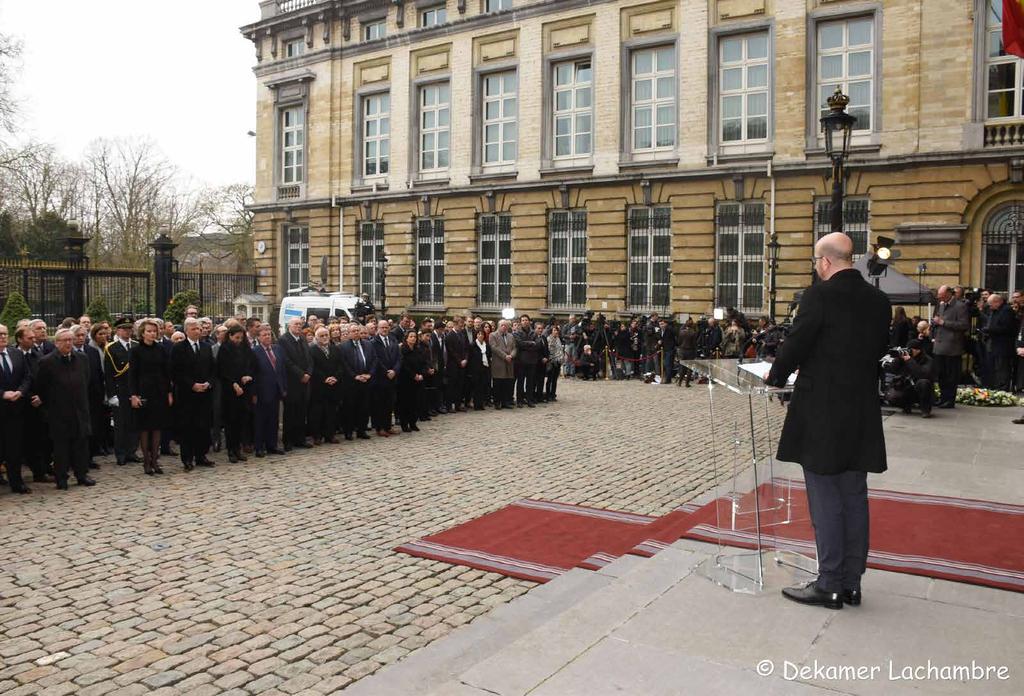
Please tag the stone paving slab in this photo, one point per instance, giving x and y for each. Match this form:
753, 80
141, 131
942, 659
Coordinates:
260, 575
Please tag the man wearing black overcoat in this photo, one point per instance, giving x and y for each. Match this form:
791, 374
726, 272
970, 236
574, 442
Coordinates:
192, 369
299, 368
358, 365
15, 378
457, 357
62, 384
324, 387
384, 385
833, 425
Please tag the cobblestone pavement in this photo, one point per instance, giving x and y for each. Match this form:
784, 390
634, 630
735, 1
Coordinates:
277, 576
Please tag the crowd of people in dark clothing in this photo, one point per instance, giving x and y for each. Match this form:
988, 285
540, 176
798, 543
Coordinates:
138, 389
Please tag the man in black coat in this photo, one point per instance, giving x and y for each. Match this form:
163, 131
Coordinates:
833, 425
457, 352
299, 368
40, 454
526, 360
192, 369
384, 384
358, 365
440, 352
324, 387
1000, 331
15, 378
62, 384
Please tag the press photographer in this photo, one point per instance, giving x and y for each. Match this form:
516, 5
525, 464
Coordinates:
911, 371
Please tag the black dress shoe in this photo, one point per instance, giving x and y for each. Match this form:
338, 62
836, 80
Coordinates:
348, 437
232, 458
94, 465
121, 462
810, 594
24, 490
62, 485
947, 404
414, 428
851, 597
275, 451
362, 436
405, 428
189, 466
241, 456
530, 404
305, 445
204, 462
260, 454
86, 482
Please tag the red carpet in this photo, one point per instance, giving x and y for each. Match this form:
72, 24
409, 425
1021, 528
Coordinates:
969, 541
534, 539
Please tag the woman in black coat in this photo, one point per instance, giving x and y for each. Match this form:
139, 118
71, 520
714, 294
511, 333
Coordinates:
235, 367
479, 369
149, 377
410, 381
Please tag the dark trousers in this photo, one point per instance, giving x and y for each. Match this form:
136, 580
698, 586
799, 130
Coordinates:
503, 391
408, 403
236, 415
295, 405
526, 378
538, 381
383, 398
70, 454
37, 456
921, 392
480, 387
436, 395
999, 371
947, 369
453, 389
126, 439
323, 414
99, 423
265, 424
839, 512
551, 385
12, 434
356, 408
194, 443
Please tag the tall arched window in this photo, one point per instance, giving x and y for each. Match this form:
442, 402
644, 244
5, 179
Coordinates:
1003, 248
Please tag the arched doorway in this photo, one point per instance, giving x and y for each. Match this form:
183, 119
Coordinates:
1002, 248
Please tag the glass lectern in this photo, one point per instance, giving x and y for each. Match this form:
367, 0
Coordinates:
751, 503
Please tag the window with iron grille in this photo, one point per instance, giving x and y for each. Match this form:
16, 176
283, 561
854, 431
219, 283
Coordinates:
495, 265
567, 256
297, 256
739, 256
1003, 248
650, 257
371, 259
856, 221
430, 261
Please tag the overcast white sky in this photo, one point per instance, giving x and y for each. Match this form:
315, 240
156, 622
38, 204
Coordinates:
179, 72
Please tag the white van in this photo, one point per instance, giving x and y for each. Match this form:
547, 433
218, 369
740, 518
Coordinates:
324, 306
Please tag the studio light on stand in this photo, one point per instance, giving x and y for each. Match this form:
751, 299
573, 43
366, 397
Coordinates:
882, 255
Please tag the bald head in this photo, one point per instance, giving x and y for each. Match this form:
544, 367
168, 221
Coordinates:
833, 253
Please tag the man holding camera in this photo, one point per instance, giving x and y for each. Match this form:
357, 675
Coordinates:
913, 383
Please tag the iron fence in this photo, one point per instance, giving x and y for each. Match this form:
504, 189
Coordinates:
217, 291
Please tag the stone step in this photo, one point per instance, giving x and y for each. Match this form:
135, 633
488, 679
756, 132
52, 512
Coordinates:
440, 661
530, 659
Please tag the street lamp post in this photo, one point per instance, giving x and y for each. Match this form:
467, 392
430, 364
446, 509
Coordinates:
837, 126
773, 267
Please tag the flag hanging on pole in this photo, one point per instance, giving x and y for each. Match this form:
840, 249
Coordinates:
1013, 27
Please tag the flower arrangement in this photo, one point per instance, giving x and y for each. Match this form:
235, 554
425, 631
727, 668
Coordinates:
976, 396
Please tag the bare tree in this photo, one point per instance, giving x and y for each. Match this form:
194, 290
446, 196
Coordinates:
10, 52
228, 222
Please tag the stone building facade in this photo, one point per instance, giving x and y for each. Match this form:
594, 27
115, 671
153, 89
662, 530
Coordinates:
623, 155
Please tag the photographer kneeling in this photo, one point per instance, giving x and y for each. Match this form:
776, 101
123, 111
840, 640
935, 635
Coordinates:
913, 380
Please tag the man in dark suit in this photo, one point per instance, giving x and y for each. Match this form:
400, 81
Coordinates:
440, 377
271, 383
525, 362
298, 367
385, 382
324, 387
15, 379
833, 424
192, 369
358, 364
40, 454
43, 346
62, 384
950, 323
457, 357
118, 390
